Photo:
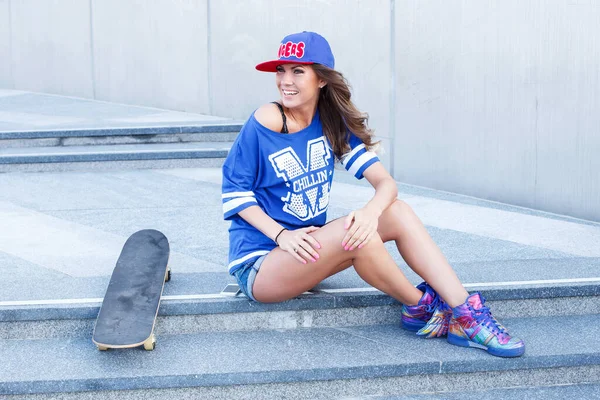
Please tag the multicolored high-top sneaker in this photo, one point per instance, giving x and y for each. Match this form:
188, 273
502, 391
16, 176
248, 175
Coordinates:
430, 316
472, 325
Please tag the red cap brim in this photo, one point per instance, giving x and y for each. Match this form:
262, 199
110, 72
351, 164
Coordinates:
271, 66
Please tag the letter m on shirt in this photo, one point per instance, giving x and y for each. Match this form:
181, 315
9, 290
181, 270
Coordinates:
308, 197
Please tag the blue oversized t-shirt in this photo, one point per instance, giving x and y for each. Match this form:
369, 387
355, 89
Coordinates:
288, 175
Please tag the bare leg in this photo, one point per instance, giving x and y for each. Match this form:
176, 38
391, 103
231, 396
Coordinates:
281, 277
399, 223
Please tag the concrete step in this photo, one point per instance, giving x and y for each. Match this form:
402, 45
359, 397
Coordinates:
191, 314
318, 362
209, 132
57, 158
584, 391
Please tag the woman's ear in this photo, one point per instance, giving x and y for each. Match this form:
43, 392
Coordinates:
322, 84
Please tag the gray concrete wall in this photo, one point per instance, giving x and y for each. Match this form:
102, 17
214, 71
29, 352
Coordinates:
152, 53
50, 46
501, 100
488, 98
6, 80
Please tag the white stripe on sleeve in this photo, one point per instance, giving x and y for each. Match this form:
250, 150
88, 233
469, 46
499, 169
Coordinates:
230, 205
352, 153
360, 161
237, 194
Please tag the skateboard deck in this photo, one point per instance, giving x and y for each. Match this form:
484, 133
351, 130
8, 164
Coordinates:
128, 312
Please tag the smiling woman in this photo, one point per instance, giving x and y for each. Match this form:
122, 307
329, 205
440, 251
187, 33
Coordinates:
276, 182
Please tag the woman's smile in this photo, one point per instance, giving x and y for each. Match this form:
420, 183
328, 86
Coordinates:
287, 92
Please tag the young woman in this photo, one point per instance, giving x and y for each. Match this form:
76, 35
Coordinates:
276, 183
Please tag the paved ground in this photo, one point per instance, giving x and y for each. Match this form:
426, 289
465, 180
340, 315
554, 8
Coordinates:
61, 233
27, 111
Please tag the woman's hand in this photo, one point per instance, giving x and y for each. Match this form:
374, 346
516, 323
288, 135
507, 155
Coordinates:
300, 244
361, 226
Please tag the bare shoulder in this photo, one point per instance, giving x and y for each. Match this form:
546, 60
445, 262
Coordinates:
268, 115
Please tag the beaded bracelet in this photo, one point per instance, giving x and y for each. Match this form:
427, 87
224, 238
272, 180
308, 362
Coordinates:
280, 232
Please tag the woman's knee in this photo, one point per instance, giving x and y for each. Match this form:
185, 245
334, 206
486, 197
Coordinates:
393, 220
400, 209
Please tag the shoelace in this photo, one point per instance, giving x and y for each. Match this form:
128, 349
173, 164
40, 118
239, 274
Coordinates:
485, 317
439, 304
437, 301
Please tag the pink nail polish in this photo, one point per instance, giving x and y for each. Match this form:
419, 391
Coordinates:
317, 256
351, 248
303, 261
313, 260
346, 248
343, 244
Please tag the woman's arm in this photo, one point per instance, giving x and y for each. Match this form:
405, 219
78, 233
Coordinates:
256, 217
362, 224
385, 187
298, 243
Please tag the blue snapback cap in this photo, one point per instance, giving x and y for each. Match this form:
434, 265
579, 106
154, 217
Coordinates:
301, 48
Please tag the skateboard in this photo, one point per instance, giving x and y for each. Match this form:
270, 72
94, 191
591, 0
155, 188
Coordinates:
130, 306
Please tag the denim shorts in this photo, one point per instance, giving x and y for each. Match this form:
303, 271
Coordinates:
246, 274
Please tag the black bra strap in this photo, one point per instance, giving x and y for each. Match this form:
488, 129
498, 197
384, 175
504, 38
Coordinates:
284, 129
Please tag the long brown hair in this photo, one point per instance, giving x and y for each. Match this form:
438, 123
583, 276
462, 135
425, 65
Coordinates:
338, 113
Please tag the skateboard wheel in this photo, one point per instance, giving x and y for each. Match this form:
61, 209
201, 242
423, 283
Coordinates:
150, 344
101, 348
168, 275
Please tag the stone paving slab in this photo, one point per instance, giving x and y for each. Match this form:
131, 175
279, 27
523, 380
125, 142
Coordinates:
27, 111
589, 391
225, 358
71, 226
123, 152
114, 149
319, 308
